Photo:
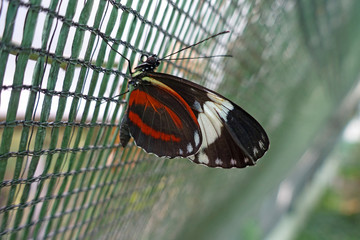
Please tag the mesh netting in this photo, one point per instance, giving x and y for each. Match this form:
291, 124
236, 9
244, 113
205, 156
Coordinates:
63, 173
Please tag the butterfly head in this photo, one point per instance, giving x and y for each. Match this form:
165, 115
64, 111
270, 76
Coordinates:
149, 63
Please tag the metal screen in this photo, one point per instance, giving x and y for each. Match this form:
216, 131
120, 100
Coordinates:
63, 173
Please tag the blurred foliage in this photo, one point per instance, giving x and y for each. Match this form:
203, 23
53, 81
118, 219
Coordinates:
337, 215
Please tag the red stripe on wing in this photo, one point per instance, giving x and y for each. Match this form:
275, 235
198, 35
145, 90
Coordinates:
146, 129
142, 98
169, 90
181, 99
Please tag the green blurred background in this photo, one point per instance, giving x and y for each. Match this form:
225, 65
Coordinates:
63, 174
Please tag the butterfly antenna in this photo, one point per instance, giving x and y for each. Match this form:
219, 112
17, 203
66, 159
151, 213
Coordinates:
204, 40
213, 56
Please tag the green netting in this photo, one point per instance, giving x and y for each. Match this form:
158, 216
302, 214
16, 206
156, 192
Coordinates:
63, 173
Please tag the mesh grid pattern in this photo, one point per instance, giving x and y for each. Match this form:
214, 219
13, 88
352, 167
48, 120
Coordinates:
63, 173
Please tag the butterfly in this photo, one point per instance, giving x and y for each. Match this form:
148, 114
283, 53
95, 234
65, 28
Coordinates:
173, 117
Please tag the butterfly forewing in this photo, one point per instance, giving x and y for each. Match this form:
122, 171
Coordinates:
161, 122
230, 136
173, 117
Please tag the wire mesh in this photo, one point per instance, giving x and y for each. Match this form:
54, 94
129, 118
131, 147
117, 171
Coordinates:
63, 173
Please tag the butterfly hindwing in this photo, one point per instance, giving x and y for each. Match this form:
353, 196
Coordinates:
161, 122
230, 136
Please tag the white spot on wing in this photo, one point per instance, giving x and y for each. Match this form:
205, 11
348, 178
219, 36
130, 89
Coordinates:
189, 148
220, 101
263, 137
210, 124
181, 151
202, 158
214, 110
261, 145
219, 106
210, 128
233, 162
218, 161
246, 160
256, 151
197, 106
196, 138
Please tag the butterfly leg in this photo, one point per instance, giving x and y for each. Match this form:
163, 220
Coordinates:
124, 131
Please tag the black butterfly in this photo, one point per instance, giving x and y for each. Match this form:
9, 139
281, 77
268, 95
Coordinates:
173, 117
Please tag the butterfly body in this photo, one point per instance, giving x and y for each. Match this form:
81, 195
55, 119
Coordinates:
173, 117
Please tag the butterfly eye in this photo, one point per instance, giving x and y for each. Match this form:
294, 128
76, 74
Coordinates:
133, 83
143, 58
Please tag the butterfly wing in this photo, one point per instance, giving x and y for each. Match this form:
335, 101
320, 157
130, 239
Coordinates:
161, 122
230, 136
